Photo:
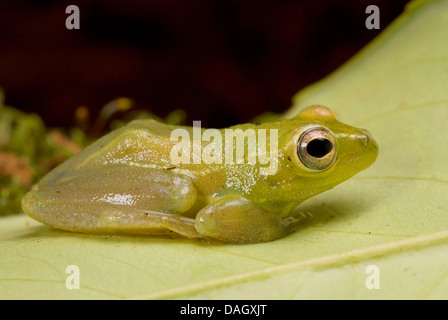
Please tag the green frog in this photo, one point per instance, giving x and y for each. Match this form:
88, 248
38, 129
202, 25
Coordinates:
150, 178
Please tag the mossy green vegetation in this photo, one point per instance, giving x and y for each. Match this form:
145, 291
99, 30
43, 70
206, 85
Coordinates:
28, 149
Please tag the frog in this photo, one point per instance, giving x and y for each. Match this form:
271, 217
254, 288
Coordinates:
128, 183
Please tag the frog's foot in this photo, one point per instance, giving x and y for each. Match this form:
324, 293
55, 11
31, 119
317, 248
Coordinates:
291, 223
145, 222
238, 220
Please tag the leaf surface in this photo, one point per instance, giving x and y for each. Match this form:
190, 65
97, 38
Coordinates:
393, 216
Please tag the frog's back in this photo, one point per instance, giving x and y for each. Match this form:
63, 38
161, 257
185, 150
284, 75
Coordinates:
141, 143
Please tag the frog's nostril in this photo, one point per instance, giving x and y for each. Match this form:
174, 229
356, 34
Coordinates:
364, 139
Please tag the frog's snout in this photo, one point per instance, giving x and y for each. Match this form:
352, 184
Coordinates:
364, 139
367, 138
364, 136
368, 143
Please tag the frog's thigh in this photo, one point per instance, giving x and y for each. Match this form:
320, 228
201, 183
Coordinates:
239, 220
115, 199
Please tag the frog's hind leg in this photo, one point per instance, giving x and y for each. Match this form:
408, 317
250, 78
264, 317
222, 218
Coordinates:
116, 200
146, 222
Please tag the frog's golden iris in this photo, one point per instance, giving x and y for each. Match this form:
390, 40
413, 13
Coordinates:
316, 148
125, 183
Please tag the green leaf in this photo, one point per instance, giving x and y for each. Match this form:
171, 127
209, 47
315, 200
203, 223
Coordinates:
393, 216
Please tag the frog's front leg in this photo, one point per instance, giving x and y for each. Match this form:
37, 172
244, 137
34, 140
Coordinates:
236, 219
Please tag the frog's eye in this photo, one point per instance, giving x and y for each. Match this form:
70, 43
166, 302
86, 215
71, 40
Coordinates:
316, 149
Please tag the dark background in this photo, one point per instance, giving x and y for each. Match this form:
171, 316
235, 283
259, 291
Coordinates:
223, 62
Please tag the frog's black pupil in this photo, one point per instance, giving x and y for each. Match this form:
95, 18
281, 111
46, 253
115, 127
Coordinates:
319, 147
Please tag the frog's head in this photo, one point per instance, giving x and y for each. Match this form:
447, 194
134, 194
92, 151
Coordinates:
322, 152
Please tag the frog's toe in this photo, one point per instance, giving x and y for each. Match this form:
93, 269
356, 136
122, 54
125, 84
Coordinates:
292, 222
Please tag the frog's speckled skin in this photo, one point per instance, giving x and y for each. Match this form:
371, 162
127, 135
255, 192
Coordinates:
126, 183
